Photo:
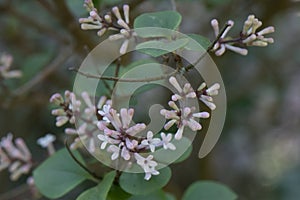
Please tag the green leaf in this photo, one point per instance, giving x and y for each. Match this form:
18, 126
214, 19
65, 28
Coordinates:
99, 192
165, 19
157, 48
185, 155
201, 40
157, 195
134, 183
59, 174
204, 190
116, 193
165, 157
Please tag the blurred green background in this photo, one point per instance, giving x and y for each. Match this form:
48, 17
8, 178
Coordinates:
258, 152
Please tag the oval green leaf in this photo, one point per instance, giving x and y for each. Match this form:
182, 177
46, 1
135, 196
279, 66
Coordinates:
157, 195
185, 155
165, 19
204, 190
200, 40
59, 174
134, 183
99, 192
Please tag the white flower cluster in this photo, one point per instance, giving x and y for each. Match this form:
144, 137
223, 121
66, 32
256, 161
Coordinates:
5, 65
74, 109
15, 156
182, 117
249, 36
113, 22
69, 106
206, 94
117, 133
120, 138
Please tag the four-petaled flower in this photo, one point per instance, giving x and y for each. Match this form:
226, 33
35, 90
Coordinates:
150, 141
148, 165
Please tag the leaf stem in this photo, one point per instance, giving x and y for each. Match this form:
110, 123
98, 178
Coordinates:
151, 79
94, 177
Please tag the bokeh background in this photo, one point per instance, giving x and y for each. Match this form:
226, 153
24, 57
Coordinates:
258, 154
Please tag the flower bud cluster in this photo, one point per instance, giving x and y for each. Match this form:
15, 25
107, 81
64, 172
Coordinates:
249, 36
5, 65
15, 156
110, 21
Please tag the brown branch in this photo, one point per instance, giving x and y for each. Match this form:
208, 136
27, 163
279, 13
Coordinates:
210, 47
110, 78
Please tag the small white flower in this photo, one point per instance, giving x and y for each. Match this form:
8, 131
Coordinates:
148, 165
150, 141
46, 140
166, 141
107, 139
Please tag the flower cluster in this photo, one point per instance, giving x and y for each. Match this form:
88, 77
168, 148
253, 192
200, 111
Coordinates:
69, 106
15, 156
84, 112
108, 21
5, 65
182, 117
205, 94
249, 36
115, 130
120, 138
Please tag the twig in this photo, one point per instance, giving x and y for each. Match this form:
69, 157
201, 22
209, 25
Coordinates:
117, 70
209, 48
80, 164
125, 79
63, 55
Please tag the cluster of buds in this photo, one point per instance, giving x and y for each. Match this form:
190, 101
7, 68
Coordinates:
249, 36
69, 106
115, 131
108, 21
182, 117
5, 65
15, 156
120, 139
84, 112
206, 94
